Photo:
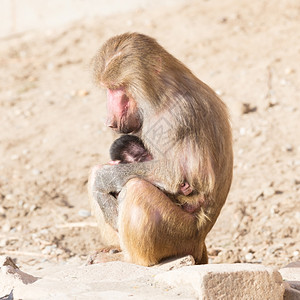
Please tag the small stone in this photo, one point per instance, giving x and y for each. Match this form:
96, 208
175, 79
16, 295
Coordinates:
84, 213
283, 82
49, 249
219, 93
113, 251
296, 253
7, 261
289, 71
9, 197
6, 227
44, 231
268, 192
288, 148
82, 93
35, 172
14, 157
3, 243
242, 131
50, 66
32, 207
273, 102
296, 162
248, 108
274, 210
25, 151
172, 264
249, 256
241, 151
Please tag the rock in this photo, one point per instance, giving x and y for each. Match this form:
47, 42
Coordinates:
84, 213
291, 293
82, 93
176, 263
291, 272
11, 277
248, 108
295, 253
268, 192
242, 131
7, 261
113, 280
249, 256
228, 281
291, 275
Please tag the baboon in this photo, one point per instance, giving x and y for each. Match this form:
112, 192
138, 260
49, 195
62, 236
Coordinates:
185, 127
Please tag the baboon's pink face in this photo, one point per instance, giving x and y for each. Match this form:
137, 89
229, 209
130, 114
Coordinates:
123, 114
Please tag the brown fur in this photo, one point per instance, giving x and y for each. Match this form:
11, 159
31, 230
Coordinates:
197, 148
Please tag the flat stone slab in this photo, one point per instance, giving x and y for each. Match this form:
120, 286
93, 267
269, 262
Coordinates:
119, 280
112, 280
228, 281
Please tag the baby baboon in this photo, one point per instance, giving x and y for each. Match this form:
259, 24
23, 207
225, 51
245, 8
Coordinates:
129, 148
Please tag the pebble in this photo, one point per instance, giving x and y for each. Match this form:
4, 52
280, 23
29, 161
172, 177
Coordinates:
289, 70
219, 92
14, 157
32, 207
6, 227
296, 253
249, 256
283, 82
113, 251
274, 210
242, 131
272, 102
248, 108
288, 148
25, 151
274, 248
35, 172
84, 213
50, 66
82, 93
296, 162
268, 192
3, 243
9, 196
49, 249
241, 151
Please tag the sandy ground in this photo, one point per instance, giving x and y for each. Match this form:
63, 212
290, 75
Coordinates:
52, 128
